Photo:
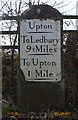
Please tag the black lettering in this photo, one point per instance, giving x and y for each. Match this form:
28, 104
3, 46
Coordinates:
23, 39
55, 49
32, 27
38, 74
37, 27
35, 63
27, 40
50, 27
41, 64
41, 26
46, 73
53, 63
24, 61
50, 75
45, 26
49, 63
28, 63
38, 49
29, 73
50, 50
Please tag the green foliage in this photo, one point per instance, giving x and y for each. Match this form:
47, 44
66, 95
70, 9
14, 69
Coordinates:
10, 108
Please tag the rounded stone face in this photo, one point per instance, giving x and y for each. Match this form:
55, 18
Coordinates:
41, 12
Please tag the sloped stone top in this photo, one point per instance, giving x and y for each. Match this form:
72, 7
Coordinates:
41, 12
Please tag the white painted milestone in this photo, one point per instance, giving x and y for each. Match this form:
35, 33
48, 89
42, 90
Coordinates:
40, 50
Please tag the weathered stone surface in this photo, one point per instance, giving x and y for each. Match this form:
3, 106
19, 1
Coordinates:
41, 12
33, 96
